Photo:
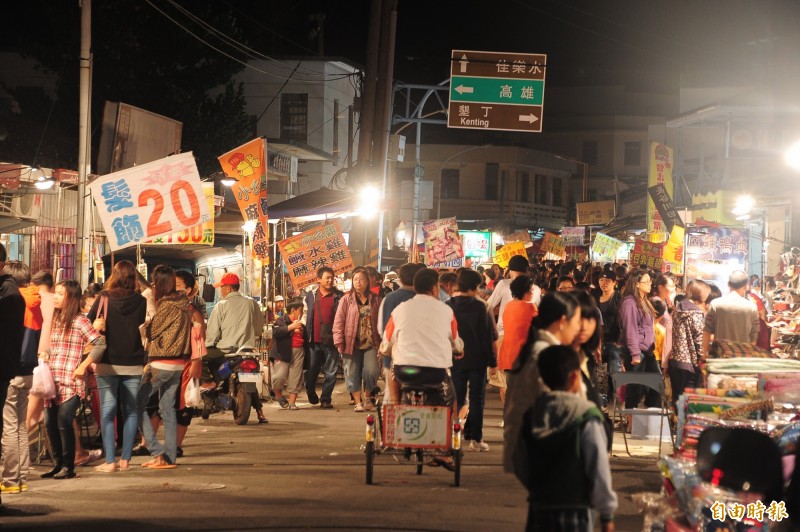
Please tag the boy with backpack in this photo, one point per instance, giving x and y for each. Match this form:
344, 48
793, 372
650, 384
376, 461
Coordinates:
571, 475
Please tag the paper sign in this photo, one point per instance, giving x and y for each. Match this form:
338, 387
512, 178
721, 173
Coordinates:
442, 241
605, 247
201, 234
519, 236
596, 212
248, 165
553, 244
573, 236
673, 251
151, 200
321, 246
661, 162
505, 253
647, 254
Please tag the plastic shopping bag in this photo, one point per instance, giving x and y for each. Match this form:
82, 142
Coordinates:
192, 394
43, 384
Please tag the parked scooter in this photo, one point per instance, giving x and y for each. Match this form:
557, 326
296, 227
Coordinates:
239, 377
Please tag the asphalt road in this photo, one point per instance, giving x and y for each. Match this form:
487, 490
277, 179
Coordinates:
302, 471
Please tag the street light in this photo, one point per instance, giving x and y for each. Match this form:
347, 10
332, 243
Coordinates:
369, 202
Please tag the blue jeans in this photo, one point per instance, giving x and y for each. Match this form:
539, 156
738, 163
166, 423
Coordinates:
361, 366
323, 358
612, 354
122, 390
476, 378
166, 383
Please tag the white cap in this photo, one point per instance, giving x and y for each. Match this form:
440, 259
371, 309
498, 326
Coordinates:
278, 298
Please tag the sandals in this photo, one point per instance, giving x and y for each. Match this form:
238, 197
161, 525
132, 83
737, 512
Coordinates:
106, 468
159, 463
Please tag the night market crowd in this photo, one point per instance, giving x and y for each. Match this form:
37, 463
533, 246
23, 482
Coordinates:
545, 333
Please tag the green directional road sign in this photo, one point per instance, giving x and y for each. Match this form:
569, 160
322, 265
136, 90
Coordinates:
497, 90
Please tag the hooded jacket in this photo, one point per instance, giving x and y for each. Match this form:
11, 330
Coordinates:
571, 467
170, 331
346, 322
687, 335
124, 316
477, 329
12, 316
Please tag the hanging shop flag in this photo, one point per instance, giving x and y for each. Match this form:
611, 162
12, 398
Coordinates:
666, 208
321, 246
504, 254
248, 165
442, 241
660, 173
519, 236
605, 247
150, 200
647, 254
673, 251
200, 234
573, 236
553, 245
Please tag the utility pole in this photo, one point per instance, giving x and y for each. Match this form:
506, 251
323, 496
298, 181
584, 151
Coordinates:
84, 143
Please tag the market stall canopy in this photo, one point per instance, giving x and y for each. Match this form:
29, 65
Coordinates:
321, 204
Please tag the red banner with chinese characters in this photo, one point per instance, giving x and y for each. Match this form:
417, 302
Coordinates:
647, 254
305, 253
248, 165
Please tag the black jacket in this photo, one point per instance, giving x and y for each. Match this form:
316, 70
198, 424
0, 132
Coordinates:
477, 329
123, 341
12, 318
281, 348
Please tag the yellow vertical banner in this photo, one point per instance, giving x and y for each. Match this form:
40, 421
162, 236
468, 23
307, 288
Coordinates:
661, 163
248, 165
673, 251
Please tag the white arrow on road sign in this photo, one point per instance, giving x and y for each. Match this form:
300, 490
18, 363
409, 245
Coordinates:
531, 118
464, 62
461, 89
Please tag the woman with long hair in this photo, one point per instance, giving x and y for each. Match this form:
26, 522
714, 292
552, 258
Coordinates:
557, 323
119, 311
355, 335
638, 336
170, 345
70, 334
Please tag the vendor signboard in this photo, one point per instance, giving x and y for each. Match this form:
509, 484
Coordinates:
647, 254
553, 247
150, 200
573, 236
321, 246
248, 165
442, 241
505, 253
605, 247
712, 256
201, 234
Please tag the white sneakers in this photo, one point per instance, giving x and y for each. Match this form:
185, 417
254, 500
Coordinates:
477, 446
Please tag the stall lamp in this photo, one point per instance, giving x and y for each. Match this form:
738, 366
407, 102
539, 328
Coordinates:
370, 199
44, 183
249, 226
227, 181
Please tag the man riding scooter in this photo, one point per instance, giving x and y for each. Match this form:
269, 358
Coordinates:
235, 321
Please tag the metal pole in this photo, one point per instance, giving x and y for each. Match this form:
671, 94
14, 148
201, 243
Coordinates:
84, 134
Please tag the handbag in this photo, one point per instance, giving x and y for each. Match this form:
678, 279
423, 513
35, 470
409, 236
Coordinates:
191, 396
99, 323
43, 384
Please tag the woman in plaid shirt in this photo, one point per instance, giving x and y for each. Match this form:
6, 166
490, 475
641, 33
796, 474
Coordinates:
70, 335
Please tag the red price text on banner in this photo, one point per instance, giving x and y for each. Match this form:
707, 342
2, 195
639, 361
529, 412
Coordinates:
151, 200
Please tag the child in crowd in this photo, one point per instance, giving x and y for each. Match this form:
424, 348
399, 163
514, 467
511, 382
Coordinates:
659, 328
286, 354
571, 476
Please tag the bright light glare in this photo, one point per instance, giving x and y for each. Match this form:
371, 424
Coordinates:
44, 184
227, 181
792, 156
744, 204
249, 226
370, 199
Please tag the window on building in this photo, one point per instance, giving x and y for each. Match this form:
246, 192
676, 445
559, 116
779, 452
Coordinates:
523, 187
558, 193
491, 188
633, 153
450, 178
294, 117
590, 152
540, 185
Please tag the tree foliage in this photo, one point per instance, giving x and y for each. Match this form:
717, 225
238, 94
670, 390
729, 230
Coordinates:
141, 58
